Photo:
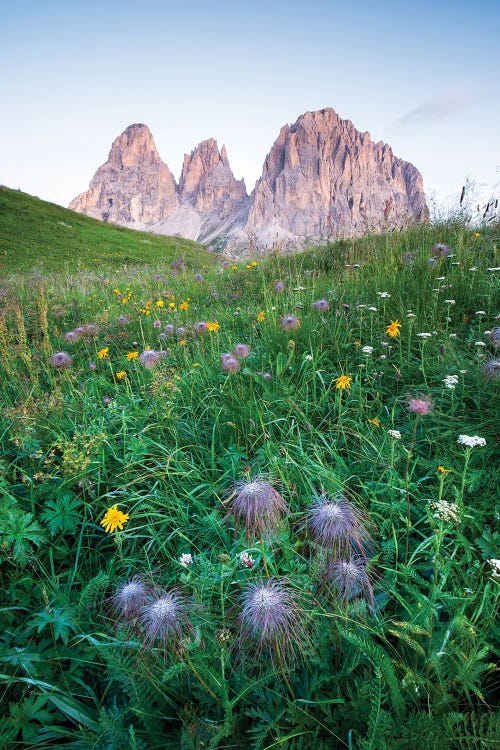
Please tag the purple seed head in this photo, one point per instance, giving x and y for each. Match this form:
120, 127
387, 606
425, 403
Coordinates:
422, 405
123, 320
181, 332
157, 324
350, 579
241, 351
89, 329
198, 277
322, 305
130, 598
71, 337
61, 360
440, 250
149, 358
258, 506
289, 323
229, 363
200, 327
279, 286
169, 329
491, 369
495, 336
336, 525
165, 617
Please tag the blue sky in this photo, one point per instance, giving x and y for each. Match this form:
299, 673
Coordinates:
423, 77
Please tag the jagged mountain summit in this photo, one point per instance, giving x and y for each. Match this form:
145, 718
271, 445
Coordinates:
322, 179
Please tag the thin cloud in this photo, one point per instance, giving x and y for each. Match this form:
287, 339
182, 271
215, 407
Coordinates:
434, 110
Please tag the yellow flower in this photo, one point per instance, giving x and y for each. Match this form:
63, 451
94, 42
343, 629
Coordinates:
160, 303
476, 234
132, 355
254, 264
261, 316
120, 375
248, 265
343, 382
103, 353
357, 342
196, 364
114, 519
213, 326
393, 329
442, 470
234, 268
182, 342
184, 306
375, 422
171, 305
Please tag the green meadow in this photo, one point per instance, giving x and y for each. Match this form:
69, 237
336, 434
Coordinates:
247, 505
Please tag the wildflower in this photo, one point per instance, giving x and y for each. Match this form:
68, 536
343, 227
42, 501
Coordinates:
181, 332
261, 316
120, 375
474, 268
350, 578
200, 327
103, 353
411, 315
241, 351
394, 434
272, 617
289, 323
453, 335
171, 305
165, 617
198, 277
392, 330
229, 363
480, 312
160, 303
196, 364
259, 506
71, 337
445, 511
322, 305
424, 335
420, 406
247, 560
367, 349
123, 320
357, 342
279, 286
184, 306
186, 559
336, 525
182, 342
61, 360
149, 358
476, 234
132, 355
495, 336
375, 422
450, 381
479, 343
92, 366
372, 309
471, 441
89, 329
383, 295
157, 324
449, 302
212, 326
442, 470
440, 250
114, 519
343, 382
491, 369
495, 567
130, 598
169, 329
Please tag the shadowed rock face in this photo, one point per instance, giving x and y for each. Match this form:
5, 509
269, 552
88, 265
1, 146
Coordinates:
322, 179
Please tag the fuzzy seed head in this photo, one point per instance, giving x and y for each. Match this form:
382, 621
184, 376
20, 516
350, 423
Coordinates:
279, 286
130, 598
241, 351
123, 320
421, 405
259, 507
491, 369
350, 578
495, 336
336, 525
89, 329
169, 329
229, 363
71, 337
289, 323
165, 617
150, 358
61, 360
321, 304
200, 327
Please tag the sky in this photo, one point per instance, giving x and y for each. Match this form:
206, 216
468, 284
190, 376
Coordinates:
423, 76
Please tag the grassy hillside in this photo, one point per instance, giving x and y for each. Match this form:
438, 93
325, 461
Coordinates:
255, 505
38, 235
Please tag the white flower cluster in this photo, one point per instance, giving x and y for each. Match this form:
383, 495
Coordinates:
495, 567
449, 302
186, 559
449, 512
395, 434
383, 295
367, 349
471, 441
450, 381
424, 335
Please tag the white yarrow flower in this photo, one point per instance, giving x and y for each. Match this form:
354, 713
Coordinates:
479, 343
424, 335
395, 434
449, 302
450, 381
367, 349
480, 312
471, 441
186, 559
383, 295
495, 567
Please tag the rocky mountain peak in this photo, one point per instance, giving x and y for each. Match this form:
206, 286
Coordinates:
135, 146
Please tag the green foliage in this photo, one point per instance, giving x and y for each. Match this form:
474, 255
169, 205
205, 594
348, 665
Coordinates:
404, 659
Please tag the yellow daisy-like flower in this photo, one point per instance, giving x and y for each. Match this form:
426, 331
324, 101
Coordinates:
132, 355
196, 364
234, 268
261, 316
120, 375
343, 382
254, 264
103, 353
392, 330
184, 306
171, 305
213, 326
375, 422
182, 342
476, 234
160, 303
114, 519
442, 470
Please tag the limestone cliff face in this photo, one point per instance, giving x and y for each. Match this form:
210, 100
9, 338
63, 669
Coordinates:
324, 179
134, 187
